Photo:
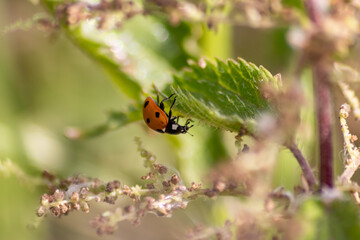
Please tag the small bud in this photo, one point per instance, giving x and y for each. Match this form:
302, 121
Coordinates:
109, 187
41, 211
85, 207
126, 190
144, 153
63, 208
194, 186
152, 158
116, 184
51, 198
162, 169
75, 206
59, 195
219, 186
175, 179
75, 197
97, 199
44, 200
56, 211
83, 192
166, 183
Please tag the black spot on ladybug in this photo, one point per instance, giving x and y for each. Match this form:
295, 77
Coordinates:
157, 114
159, 130
146, 103
148, 120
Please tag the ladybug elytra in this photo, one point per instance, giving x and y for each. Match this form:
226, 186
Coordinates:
157, 119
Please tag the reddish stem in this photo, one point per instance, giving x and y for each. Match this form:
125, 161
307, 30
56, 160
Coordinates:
321, 78
323, 109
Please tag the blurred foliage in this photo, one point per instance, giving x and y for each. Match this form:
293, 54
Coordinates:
48, 85
337, 220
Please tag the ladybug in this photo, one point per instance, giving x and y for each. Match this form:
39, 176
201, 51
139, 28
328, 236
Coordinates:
157, 119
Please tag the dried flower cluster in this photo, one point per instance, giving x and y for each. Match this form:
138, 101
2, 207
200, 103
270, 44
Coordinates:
112, 13
163, 193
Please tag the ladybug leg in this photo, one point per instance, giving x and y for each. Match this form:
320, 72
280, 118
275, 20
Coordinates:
173, 101
188, 122
162, 107
170, 112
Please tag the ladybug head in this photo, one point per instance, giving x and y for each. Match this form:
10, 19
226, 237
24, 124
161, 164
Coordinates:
175, 128
186, 127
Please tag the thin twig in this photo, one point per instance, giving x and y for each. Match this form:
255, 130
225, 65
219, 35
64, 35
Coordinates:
307, 172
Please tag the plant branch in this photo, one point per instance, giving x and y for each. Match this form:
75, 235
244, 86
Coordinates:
308, 174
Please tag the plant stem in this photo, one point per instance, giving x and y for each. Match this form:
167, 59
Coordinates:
322, 93
323, 109
308, 174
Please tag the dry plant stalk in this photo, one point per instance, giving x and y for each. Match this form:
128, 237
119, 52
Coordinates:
350, 96
353, 160
346, 75
163, 193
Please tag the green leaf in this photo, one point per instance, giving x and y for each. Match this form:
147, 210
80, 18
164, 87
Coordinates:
226, 95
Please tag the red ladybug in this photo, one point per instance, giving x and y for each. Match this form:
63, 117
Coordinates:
157, 119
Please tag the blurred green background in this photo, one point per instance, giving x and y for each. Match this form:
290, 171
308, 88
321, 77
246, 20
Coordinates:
47, 84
